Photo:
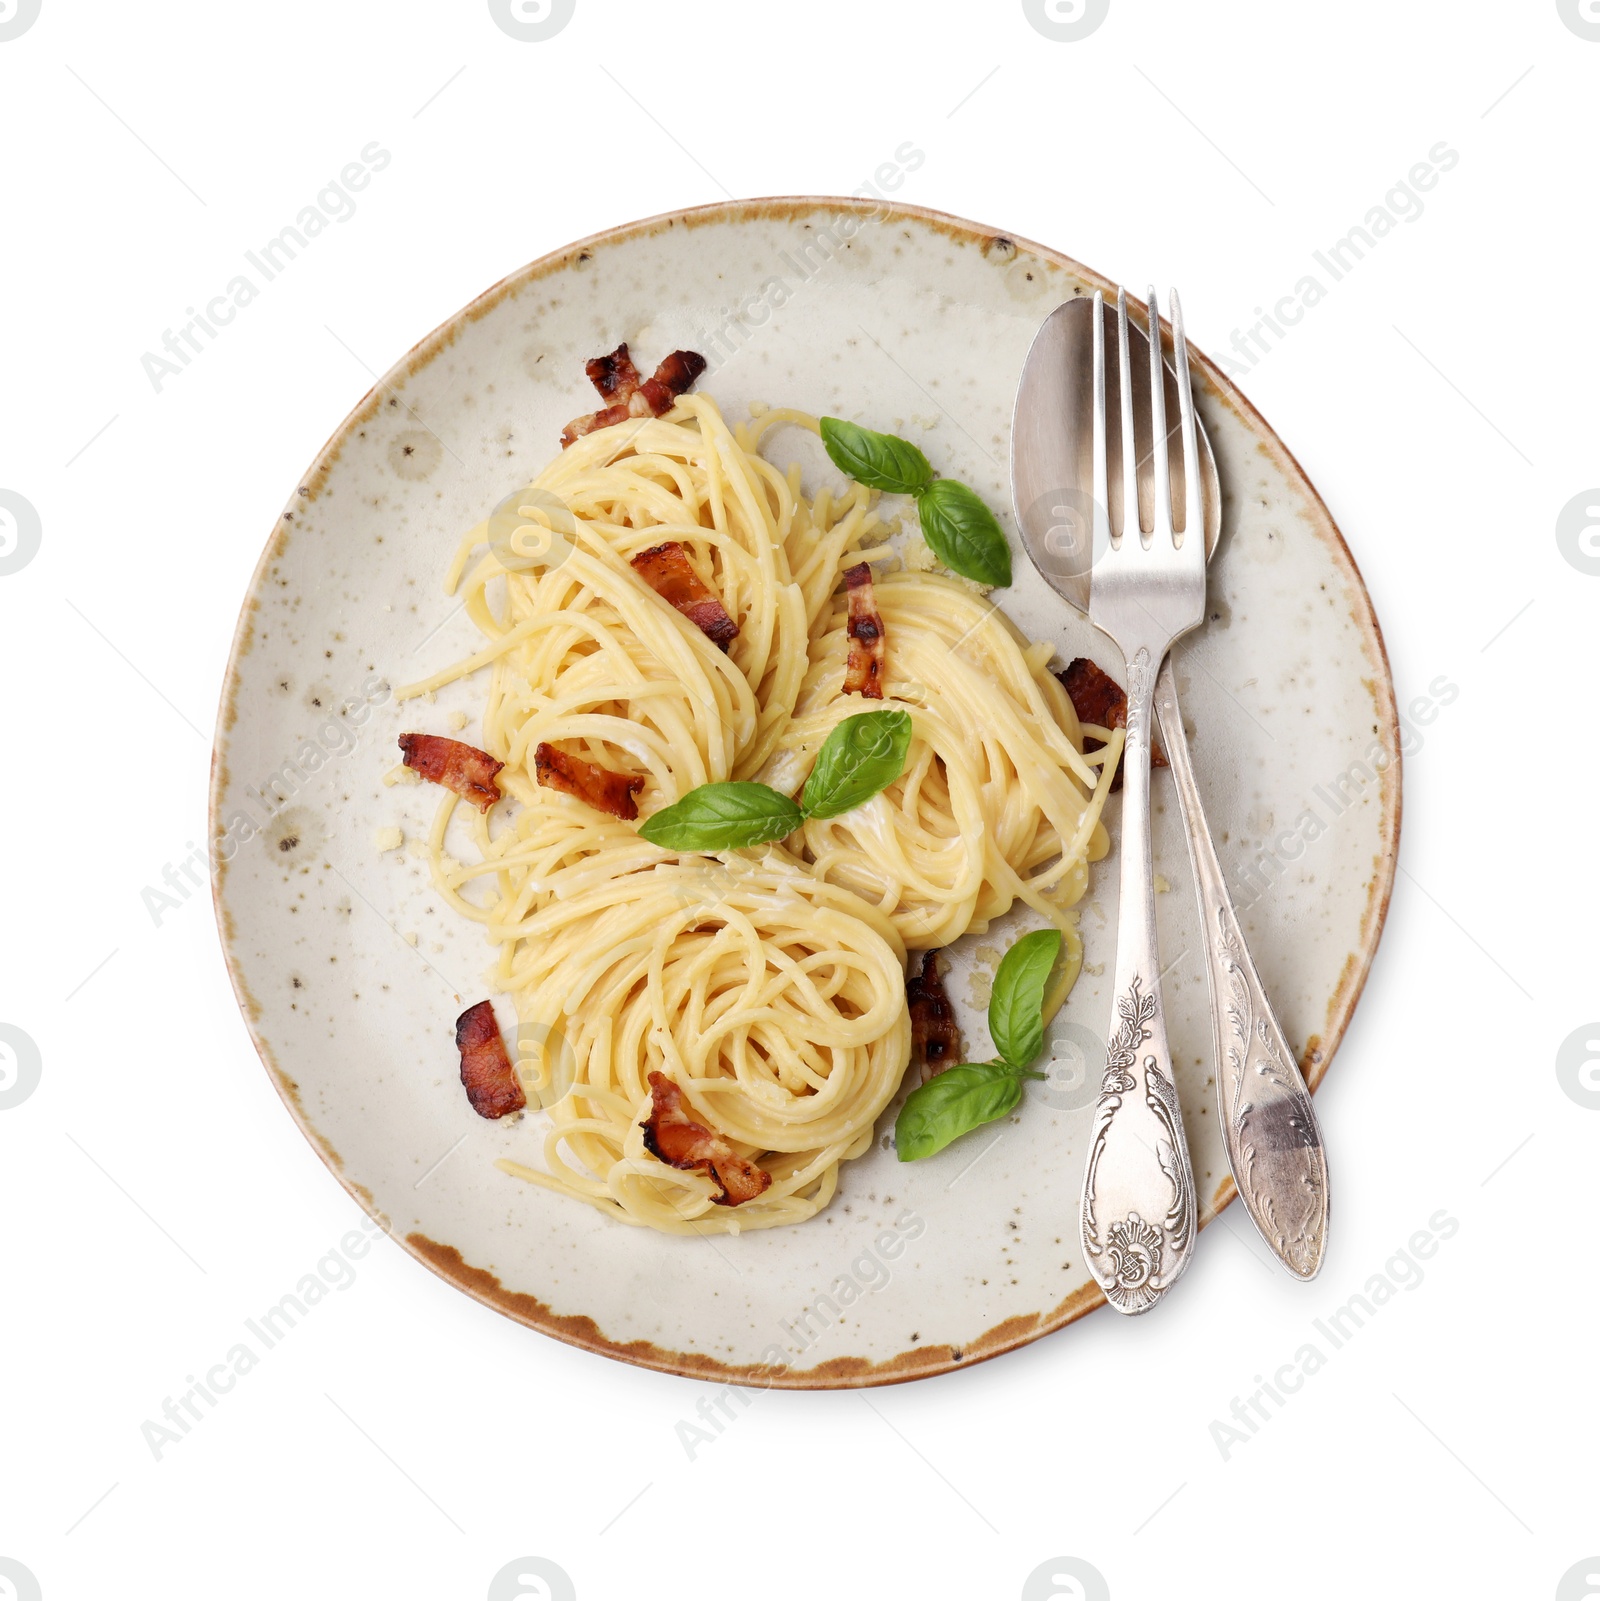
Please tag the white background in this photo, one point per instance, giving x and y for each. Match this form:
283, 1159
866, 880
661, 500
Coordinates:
405, 1441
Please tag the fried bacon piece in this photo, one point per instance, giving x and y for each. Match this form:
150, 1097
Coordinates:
668, 571
669, 380
673, 1137
598, 787
618, 381
590, 422
935, 1039
470, 772
1099, 699
615, 376
486, 1071
863, 673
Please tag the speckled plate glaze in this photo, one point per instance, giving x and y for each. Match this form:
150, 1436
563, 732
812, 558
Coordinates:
350, 974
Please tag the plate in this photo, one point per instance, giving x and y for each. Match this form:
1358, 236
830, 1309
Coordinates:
350, 973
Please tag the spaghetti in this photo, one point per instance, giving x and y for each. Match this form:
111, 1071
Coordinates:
762, 991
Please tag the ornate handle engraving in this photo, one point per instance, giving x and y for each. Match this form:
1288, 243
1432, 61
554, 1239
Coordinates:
1133, 1259
1269, 1128
1138, 1218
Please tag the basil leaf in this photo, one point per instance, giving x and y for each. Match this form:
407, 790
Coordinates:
718, 817
1016, 1002
963, 533
863, 754
880, 461
959, 1100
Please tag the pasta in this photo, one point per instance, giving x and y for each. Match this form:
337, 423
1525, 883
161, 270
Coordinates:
767, 984
775, 1000
996, 803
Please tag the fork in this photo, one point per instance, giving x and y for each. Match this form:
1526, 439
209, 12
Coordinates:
1138, 1218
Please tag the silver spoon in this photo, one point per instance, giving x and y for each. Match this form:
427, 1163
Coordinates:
1269, 1128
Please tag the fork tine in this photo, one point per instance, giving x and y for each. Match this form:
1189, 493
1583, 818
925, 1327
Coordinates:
1130, 452
1161, 487
1193, 512
1101, 511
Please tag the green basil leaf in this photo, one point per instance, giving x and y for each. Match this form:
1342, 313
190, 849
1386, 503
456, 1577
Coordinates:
963, 533
863, 754
880, 461
717, 817
1016, 1002
959, 1100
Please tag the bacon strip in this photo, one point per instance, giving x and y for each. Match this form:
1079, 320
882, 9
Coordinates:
470, 772
1101, 700
673, 1137
935, 1039
618, 381
598, 787
671, 379
615, 376
864, 672
486, 1071
579, 426
668, 571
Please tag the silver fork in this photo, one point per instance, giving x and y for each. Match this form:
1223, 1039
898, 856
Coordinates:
1138, 1219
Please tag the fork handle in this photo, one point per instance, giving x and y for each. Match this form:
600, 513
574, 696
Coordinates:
1274, 1145
1138, 1220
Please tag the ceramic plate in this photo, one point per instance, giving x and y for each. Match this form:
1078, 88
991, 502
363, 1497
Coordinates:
350, 973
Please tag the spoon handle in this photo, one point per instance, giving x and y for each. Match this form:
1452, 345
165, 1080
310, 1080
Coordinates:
1138, 1220
1268, 1126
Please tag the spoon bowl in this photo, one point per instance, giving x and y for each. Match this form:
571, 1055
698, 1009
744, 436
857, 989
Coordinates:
1052, 437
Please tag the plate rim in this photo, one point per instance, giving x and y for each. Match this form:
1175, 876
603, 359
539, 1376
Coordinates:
580, 1330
